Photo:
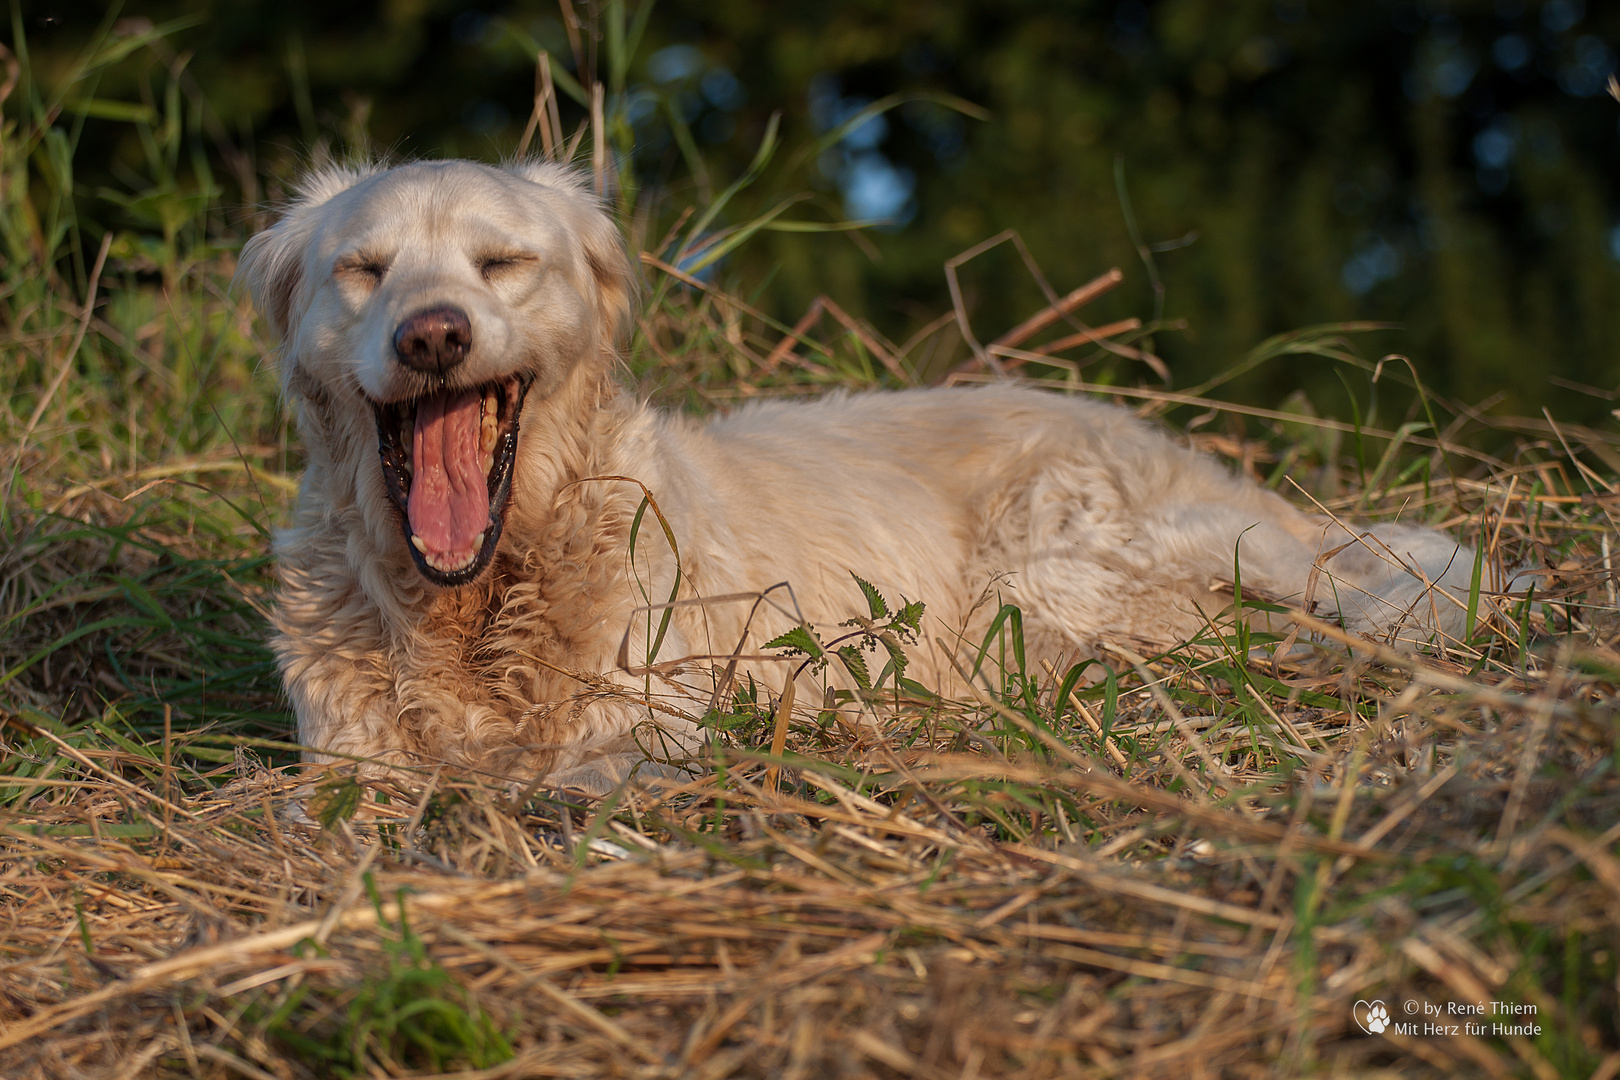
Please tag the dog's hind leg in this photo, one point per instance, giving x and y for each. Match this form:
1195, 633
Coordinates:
1109, 558
1401, 582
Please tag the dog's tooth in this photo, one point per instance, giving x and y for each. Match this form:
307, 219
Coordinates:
478, 541
416, 541
487, 462
487, 430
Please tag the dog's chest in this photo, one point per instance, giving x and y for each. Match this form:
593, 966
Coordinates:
510, 630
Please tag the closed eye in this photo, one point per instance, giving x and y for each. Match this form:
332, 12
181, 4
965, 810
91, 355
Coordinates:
367, 270
491, 267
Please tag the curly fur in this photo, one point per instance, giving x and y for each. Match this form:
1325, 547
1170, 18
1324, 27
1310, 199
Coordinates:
1096, 524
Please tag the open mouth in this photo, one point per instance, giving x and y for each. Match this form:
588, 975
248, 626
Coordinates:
447, 463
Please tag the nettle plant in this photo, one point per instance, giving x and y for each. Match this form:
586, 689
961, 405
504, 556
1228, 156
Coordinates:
880, 629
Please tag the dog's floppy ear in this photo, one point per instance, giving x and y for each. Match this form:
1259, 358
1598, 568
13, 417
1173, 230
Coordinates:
600, 239
615, 283
272, 262
271, 266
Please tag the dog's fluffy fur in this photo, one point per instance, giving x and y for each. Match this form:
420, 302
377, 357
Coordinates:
1097, 525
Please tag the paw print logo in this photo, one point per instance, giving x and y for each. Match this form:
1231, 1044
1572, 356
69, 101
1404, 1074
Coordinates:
1375, 1018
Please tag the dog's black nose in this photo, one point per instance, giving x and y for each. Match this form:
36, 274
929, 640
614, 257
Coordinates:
434, 340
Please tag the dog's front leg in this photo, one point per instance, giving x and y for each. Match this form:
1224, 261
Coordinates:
346, 706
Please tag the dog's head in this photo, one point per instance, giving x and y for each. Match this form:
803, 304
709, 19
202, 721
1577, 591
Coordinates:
441, 294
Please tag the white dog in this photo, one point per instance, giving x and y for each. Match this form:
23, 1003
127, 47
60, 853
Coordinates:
458, 576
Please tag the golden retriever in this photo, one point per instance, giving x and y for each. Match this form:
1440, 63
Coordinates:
458, 576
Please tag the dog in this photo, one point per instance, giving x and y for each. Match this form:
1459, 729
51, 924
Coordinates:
458, 578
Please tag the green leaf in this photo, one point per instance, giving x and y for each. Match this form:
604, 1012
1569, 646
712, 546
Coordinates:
910, 616
897, 654
336, 800
1473, 594
856, 663
1326, 340
103, 109
874, 599
801, 639
114, 829
718, 246
1013, 619
767, 147
832, 138
675, 589
823, 226
141, 597
66, 640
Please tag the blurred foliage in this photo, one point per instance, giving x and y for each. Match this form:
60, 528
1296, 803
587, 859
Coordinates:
1448, 166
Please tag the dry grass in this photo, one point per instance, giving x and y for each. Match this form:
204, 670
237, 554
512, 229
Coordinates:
1193, 864
894, 910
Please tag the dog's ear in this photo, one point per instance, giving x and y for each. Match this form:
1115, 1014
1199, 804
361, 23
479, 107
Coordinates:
601, 242
615, 283
272, 262
272, 268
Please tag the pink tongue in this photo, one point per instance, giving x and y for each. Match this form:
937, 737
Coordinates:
449, 503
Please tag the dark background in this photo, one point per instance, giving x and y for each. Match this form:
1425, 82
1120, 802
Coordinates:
1450, 167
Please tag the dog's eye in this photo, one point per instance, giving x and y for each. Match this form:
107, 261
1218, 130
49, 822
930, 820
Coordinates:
365, 270
491, 267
